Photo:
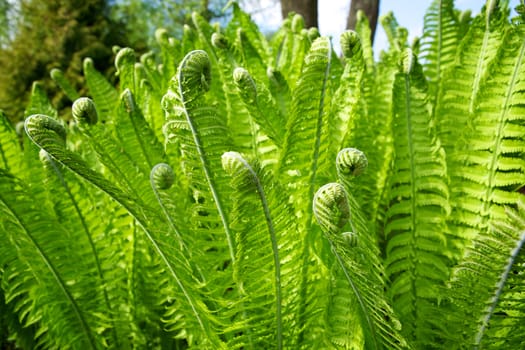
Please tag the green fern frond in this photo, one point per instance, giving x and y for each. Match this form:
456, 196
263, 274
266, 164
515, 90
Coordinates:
489, 167
203, 136
178, 280
43, 284
439, 42
39, 102
136, 136
461, 86
249, 43
305, 127
125, 65
103, 93
486, 287
362, 28
415, 229
9, 147
257, 252
356, 254
60, 79
261, 105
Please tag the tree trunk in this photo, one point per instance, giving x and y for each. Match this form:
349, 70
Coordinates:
306, 8
371, 10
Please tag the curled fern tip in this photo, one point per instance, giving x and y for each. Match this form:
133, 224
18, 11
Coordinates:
351, 161
84, 111
162, 176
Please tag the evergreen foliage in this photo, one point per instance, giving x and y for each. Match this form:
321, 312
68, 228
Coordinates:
54, 35
235, 193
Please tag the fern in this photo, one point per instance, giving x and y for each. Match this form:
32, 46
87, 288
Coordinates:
177, 210
439, 42
486, 287
43, 131
415, 229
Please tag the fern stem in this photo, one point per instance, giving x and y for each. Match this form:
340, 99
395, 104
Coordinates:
500, 285
413, 207
83, 323
315, 160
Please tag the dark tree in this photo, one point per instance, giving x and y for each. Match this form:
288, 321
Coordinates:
371, 10
54, 34
306, 8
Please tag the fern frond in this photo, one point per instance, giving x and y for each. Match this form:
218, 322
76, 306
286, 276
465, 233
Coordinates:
489, 168
103, 93
461, 86
39, 102
10, 149
178, 280
415, 229
356, 254
257, 252
249, 43
136, 136
204, 138
486, 287
261, 105
60, 79
305, 125
125, 65
42, 283
439, 42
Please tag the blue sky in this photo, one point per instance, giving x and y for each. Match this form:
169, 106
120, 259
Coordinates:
333, 13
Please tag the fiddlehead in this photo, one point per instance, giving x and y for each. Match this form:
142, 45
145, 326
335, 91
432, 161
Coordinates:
162, 176
350, 162
39, 126
351, 44
84, 111
194, 74
245, 85
331, 208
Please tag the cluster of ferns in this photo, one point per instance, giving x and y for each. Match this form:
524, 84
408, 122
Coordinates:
240, 192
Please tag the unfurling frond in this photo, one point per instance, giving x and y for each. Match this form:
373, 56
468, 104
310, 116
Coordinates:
162, 176
331, 207
84, 111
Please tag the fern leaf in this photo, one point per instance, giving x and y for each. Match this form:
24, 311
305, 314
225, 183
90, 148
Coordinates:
487, 169
125, 65
262, 108
204, 134
462, 85
9, 147
39, 102
40, 250
41, 130
258, 256
356, 256
486, 287
439, 42
416, 232
103, 93
60, 79
305, 125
